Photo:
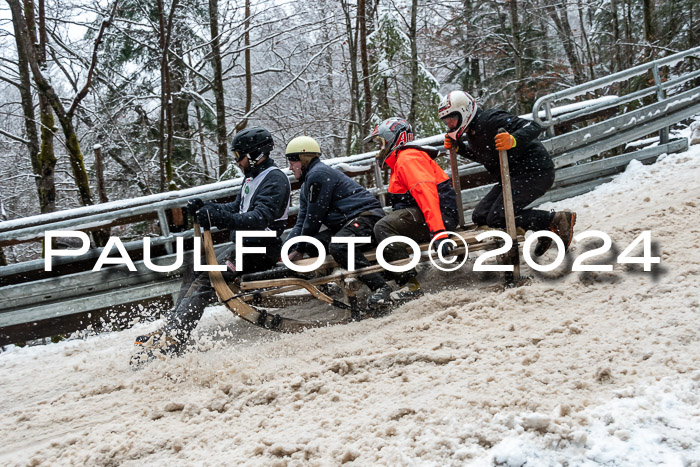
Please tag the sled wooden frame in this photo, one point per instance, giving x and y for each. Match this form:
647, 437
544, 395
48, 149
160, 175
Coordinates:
242, 299
227, 295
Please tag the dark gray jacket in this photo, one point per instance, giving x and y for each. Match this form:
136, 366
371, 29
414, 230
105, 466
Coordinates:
268, 204
331, 198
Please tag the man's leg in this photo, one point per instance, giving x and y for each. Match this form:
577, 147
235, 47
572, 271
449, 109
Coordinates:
526, 188
361, 226
481, 211
195, 294
408, 222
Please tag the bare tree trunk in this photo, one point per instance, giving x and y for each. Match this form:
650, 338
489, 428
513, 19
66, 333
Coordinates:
518, 54
101, 188
558, 13
248, 72
628, 34
649, 28
691, 25
3, 217
65, 117
182, 146
355, 113
200, 130
218, 88
544, 46
42, 157
329, 72
42, 32
364, 61
412, 32
586, 43
166, 104
617, 60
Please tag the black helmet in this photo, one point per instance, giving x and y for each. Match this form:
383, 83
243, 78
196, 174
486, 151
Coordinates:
252, 143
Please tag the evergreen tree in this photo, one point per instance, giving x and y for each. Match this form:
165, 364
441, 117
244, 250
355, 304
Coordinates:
390, 78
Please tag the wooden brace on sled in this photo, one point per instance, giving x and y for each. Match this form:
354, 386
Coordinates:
241, 300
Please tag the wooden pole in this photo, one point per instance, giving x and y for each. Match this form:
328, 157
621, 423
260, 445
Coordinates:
457, 184
514, 277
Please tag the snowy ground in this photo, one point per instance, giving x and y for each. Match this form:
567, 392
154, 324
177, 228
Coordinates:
575, 369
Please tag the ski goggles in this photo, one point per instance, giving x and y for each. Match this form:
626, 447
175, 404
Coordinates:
239, 156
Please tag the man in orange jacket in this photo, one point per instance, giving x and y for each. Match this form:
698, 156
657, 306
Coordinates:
423, 200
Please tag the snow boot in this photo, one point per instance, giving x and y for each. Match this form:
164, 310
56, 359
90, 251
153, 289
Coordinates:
156, 344
410, 291
563, 225
381, 298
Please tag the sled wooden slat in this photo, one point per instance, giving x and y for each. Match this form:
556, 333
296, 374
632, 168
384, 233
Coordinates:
243, 309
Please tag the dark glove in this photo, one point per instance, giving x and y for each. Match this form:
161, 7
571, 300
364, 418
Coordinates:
194, 205
444, 247
211, 214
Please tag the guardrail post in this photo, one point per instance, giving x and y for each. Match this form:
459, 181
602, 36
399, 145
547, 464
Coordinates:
660, 96
379, 183
165, 229
548, 113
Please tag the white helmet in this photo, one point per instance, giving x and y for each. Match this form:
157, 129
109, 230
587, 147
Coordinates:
461, 105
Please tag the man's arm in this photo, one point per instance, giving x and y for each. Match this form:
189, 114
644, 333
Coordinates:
319, 197
271, 199
421, 184
522, 130
314, 202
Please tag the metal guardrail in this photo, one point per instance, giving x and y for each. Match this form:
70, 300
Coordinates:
85, 291
659, 88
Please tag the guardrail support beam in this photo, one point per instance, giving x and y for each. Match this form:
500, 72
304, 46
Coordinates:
165, 229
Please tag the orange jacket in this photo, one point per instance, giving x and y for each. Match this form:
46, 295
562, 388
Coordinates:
413, 171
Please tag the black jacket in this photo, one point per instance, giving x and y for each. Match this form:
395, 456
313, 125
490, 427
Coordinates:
268, 204
331, 198
529, 155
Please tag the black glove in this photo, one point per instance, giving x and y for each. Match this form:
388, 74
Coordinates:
444, 247
210, 215
194, 205
203, 219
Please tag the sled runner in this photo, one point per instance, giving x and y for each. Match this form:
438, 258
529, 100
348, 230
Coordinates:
248, 297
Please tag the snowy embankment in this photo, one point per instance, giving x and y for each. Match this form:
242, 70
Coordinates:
585, 368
